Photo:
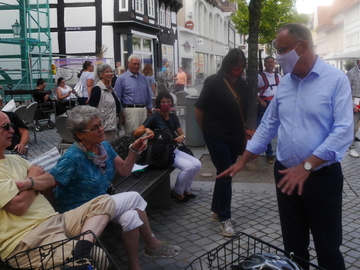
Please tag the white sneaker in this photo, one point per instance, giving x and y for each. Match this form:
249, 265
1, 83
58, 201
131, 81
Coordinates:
226, 228
215, 217
353, 153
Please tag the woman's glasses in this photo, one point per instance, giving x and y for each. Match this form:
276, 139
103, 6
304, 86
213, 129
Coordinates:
95, 128
7, 126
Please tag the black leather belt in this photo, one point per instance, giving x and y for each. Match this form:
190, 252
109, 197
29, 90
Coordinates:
134, 106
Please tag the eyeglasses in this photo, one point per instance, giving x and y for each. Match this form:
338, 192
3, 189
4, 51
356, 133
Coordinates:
95, 128
283, 50
109, 71
165, 102
7, 126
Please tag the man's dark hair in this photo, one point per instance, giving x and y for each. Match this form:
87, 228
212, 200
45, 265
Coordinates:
268, 57
40, 81
233, 58
162, 95
299, 32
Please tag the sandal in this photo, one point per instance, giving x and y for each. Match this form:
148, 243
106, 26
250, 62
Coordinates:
164, 251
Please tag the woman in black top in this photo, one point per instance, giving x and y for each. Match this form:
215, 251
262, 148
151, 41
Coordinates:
219, 117
188, 164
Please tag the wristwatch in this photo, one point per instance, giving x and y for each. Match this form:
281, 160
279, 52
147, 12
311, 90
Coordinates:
308, 166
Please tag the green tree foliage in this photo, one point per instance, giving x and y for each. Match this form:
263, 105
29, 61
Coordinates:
274, 13
349, 65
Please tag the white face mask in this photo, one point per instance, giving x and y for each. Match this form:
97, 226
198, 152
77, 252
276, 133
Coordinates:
288, 60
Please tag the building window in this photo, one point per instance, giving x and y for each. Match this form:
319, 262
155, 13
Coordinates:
162, 15
142, 47
200, 70
168, 18
139, 6
123, 5
219, 59
151, 8
231, 42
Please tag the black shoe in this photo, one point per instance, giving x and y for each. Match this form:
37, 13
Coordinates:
190, 196
180, 201
357, 139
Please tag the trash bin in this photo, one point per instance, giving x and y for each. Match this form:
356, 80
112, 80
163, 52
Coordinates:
194, 136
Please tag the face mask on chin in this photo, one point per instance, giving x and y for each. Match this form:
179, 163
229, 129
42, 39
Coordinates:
235, 72
288, 60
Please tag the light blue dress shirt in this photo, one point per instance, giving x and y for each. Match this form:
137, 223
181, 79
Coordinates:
313, 115
133, 89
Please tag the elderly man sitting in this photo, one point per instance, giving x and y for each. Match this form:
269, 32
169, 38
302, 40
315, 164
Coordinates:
28, 220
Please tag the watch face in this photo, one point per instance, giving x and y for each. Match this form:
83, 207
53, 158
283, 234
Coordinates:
307, 166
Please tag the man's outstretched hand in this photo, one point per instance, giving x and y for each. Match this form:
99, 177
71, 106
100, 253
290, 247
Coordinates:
234, 169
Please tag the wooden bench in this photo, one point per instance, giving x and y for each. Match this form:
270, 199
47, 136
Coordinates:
153, 185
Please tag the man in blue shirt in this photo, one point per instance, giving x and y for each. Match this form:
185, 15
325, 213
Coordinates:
135, 94
312, 114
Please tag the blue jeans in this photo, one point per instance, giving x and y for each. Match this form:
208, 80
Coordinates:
318, 210
223, 154
259, 115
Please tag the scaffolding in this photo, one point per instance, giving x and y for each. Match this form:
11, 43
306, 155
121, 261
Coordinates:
26, 55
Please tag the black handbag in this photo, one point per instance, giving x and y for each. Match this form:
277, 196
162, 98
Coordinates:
185, 149
182, 147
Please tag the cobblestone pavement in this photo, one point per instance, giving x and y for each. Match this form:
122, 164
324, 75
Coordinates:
253, 206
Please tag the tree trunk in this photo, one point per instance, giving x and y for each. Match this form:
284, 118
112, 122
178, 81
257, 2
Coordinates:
254, 23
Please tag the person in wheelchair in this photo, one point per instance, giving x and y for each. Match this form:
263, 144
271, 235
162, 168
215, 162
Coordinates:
43, 97
28, 220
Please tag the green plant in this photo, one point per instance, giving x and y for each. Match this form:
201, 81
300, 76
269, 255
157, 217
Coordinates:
349, 65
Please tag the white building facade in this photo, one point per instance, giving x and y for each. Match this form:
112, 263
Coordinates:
205, 35
337, 29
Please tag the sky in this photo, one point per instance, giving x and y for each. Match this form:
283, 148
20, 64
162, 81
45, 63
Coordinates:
309, 6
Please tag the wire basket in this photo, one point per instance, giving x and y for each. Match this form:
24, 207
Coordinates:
44, 256
234, 251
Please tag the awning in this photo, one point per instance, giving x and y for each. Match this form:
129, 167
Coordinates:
347, 55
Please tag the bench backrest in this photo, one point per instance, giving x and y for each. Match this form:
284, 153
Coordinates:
121, 145
47, 160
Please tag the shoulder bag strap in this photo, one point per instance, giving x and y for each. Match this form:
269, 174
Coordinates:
237, 99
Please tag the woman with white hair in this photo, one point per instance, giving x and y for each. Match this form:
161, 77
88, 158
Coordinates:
86, 170
104, 98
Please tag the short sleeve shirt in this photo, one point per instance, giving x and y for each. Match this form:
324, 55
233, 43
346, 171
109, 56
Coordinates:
157, 121
222, 118
14, 228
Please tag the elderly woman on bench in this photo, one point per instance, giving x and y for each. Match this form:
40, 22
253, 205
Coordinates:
85, 172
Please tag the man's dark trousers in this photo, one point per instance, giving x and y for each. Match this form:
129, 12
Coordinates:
318, 209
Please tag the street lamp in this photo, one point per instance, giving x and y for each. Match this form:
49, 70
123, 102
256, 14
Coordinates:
16, 29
